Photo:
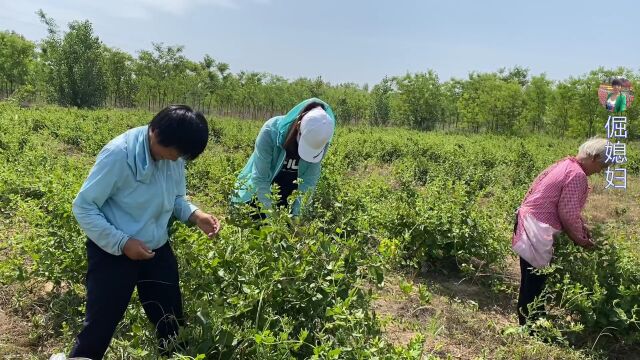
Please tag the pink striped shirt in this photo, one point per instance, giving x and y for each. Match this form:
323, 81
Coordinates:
556, 198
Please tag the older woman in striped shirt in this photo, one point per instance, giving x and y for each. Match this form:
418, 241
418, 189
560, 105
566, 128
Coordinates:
553, 204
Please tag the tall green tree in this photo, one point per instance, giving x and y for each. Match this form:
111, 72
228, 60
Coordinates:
452, 90
419, 100
561, 108
75, 64
492, 102
349, 101
121, 84
16, 58
517, 73
589, 112
381, 102
477, 101
537, 96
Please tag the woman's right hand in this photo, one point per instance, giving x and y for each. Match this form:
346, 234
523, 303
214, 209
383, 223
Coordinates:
137, 250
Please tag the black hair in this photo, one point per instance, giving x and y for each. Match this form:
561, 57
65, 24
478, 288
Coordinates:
616, 82
291, 142
180, 127
310, 106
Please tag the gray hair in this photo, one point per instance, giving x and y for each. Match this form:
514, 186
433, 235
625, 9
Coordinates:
592, 147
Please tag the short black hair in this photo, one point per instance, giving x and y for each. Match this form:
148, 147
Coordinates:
180, 127
616, 82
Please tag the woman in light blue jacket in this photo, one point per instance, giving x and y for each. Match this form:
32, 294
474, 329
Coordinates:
124, 206
287, 148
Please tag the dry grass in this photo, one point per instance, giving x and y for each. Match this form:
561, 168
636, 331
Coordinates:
462, 321
620, 207
14, 331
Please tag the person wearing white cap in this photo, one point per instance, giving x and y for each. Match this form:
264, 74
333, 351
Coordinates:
288, 147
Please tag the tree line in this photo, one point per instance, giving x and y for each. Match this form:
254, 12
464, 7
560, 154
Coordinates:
74, 68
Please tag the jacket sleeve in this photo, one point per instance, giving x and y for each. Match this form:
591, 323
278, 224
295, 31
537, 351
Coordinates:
101, 183
570, 205
309, 182
261, 172
182, 208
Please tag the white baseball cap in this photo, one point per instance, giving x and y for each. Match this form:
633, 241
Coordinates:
316, 129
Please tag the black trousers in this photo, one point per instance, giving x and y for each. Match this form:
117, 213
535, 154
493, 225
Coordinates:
110, 282
531, 286
256, 215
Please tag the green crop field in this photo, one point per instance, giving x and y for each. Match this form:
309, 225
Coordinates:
404, 252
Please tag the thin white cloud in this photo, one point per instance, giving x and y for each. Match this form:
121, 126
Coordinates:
25, 11
67, 10
181, 6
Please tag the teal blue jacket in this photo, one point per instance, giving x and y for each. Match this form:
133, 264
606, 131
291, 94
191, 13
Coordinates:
266, 161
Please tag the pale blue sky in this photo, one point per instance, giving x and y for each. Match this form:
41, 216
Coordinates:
361, 41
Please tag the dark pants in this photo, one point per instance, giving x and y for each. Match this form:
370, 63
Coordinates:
531, 286
256, 215
110, 283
